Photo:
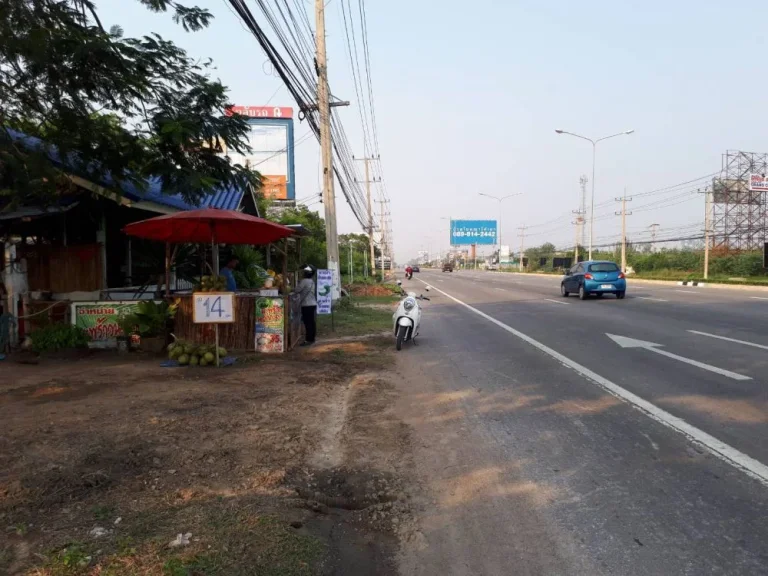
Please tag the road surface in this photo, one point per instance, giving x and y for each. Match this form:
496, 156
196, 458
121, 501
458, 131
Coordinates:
555, 436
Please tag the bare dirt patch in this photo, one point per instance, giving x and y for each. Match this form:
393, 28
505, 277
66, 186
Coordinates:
285, 465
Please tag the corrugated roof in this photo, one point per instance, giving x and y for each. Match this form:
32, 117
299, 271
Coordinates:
224, 199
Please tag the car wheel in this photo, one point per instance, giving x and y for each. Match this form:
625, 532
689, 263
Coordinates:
620, 295
583, 293
563, 291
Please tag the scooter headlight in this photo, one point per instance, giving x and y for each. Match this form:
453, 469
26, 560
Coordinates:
409, 304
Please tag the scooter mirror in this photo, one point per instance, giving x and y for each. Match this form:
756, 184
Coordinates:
427, 288
399, 283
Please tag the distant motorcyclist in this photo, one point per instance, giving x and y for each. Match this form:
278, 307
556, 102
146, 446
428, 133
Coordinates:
408, 272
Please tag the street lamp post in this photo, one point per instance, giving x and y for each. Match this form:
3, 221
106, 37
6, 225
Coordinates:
594, 152
498, 220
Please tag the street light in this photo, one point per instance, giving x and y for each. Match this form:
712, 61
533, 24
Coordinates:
498, 221
592, 203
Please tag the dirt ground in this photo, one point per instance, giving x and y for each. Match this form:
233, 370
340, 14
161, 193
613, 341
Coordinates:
293, 464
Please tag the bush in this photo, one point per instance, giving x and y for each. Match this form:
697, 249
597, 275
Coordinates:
58, 337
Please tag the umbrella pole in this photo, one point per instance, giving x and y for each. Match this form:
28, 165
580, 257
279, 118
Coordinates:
216, 331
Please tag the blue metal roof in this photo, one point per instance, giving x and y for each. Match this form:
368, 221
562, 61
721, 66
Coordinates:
224, 198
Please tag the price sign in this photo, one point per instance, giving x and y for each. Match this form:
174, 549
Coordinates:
213, 307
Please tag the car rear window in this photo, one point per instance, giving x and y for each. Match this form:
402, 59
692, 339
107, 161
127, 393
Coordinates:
604, 267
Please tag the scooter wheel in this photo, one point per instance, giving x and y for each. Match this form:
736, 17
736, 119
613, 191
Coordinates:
401, 331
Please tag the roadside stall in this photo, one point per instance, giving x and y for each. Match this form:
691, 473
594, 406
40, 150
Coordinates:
265, 320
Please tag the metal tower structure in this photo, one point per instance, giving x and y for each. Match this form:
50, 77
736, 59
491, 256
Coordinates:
739, 214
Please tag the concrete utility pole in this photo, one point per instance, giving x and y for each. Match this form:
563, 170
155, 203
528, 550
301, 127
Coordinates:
368, 182
580, 211
324, 109
654, 228
623, 213
707, 226
522, 246
383, 240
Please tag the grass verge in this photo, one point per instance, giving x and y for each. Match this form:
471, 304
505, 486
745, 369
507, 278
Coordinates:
354, 320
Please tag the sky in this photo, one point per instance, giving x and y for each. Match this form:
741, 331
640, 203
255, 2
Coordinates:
468, 97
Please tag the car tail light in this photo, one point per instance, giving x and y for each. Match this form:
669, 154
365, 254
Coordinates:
621, 276
588, 276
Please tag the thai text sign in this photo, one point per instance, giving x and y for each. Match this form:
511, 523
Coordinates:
758, 183
465, 232
99, 320
270, 325
324, 291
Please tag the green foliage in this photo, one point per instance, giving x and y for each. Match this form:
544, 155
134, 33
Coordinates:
58, 337
151, 318
313, 250
127, 107
250, 273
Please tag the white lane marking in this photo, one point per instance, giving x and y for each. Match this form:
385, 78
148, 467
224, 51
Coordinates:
500, 289
626, 342
555, 301
653, 444
736, 458
729, 339
758, 298
690, 292
649, 298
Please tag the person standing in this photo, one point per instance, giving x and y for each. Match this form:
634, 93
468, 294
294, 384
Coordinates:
306, 288
227, 273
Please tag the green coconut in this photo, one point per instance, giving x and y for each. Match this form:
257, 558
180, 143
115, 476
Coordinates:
183, 359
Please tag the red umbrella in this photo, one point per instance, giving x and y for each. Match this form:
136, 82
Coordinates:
209, 225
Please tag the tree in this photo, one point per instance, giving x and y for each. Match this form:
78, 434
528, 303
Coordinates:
313, 247
127, 107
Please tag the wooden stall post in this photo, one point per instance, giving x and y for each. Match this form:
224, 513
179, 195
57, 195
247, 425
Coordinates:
167, 269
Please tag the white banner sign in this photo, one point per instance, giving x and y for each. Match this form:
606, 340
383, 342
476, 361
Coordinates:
758, 183
324, 291
213, 307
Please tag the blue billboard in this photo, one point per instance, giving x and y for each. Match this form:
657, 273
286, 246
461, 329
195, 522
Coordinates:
466, 232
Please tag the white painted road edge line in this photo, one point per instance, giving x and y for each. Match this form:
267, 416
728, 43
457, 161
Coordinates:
758, 298
690, 292
649, 298
729, 339
747, 464
555, 301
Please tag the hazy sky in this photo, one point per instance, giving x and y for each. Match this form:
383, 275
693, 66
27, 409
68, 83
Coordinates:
468, 96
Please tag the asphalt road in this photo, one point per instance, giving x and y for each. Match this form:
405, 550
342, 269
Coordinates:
550, 447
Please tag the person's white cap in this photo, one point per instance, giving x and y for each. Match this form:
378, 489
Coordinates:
308, 269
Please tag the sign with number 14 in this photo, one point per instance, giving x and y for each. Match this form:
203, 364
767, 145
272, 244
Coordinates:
213, 307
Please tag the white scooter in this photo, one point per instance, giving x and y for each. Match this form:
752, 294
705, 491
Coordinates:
407, 317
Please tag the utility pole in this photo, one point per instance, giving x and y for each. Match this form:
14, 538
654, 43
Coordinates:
383, 239
368, 182
623, 213
324, 109
522, 246
654, 228
707, 226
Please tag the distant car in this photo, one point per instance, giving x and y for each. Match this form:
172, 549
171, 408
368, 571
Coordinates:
594, 277
447, 267
415, 269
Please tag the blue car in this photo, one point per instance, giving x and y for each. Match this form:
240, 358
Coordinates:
594, 277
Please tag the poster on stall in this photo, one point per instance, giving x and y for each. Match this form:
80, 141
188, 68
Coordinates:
270, 325
324, 291
99, 320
